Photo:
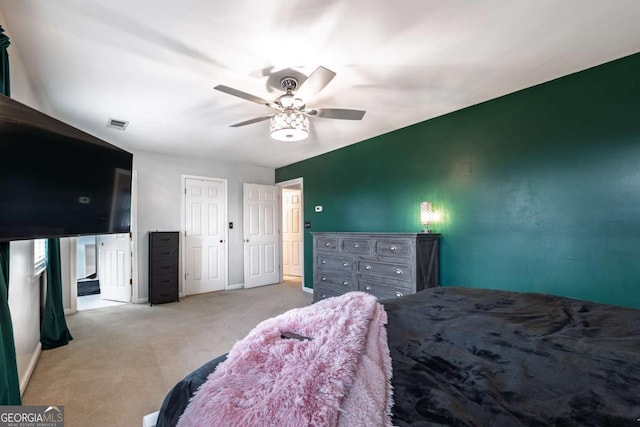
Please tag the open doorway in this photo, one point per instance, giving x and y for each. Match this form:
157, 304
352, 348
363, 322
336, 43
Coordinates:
103, 271
292, 231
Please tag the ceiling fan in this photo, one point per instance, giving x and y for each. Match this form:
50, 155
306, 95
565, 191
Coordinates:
290, 121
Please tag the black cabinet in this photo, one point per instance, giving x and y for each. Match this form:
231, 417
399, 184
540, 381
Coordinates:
163, 266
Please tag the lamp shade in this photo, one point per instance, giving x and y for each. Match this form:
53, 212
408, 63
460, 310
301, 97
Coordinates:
289, 125
428, 216
426, 212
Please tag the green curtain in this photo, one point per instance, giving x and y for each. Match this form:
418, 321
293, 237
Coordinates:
9, 382
54, 331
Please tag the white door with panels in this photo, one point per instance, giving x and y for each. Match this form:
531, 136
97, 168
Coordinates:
261, 235
114, 266
291, 233
205, 234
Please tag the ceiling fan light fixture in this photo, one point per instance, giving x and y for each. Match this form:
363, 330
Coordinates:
289, 125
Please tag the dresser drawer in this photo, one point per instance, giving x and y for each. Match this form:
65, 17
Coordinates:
382, 291
164, 267
164, 282
342, 283
397, 248
321, 293
164, 295
393, 271
334, 263
162, 254
165, 239
356, 246
327, 244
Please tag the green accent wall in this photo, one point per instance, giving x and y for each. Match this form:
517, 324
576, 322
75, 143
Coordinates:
539, 189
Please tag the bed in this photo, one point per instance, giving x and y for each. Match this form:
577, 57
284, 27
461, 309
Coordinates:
474, 357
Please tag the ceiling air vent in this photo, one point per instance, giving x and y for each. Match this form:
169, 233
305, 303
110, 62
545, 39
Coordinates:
117, 124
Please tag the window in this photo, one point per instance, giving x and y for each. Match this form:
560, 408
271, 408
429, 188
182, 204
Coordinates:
39, 256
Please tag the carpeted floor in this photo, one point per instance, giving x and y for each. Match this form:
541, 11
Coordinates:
124, 359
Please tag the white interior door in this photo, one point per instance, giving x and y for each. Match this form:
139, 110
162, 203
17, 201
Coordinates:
291, 233
114, 266
205, 258
261, 235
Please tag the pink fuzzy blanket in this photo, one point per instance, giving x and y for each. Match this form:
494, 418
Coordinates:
341, 377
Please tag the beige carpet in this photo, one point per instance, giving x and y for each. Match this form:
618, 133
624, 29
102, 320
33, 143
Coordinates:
124, 359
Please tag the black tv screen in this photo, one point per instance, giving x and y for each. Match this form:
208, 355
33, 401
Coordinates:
56, 180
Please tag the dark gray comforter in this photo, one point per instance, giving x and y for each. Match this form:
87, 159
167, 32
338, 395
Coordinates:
472, 357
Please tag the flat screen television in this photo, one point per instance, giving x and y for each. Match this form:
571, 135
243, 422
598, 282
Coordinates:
56, 180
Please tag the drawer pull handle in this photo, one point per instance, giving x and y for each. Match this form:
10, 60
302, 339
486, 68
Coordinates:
367, 288
344, 264
327, 244
398, 294
323, 262
357, 245
367, 267
345, 283
399, 272
324, 279
392, 248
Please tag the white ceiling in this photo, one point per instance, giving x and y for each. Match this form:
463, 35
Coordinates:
154, 63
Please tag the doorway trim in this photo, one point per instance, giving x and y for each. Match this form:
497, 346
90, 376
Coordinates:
135, 291
183, 229
282, 185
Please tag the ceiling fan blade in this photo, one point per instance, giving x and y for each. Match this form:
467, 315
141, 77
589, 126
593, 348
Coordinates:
338, 113
243, 95
315, 83
251, 121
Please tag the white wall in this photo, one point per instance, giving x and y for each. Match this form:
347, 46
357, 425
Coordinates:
24, 294
24, 304
160, 197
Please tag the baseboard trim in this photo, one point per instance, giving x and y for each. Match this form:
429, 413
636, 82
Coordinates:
307, 290
236, 286
142, 300
32, 365
68, 311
